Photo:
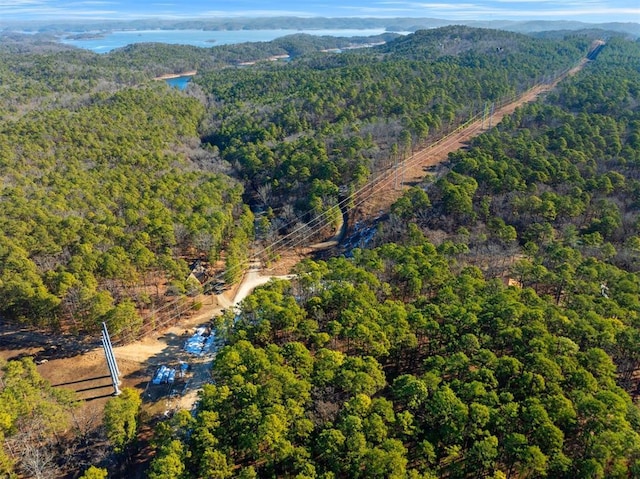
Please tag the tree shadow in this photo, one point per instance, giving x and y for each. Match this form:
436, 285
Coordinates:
46, 345
79, 381
94, 398
93, 388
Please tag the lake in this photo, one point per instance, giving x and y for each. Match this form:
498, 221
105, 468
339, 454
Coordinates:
179, 82
201, 38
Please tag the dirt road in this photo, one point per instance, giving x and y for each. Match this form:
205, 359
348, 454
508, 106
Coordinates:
86, 372
385, 189
413, 170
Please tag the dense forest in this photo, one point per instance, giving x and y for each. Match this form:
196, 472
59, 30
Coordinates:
490, 331
109, 191
303, 133
106, 191
98, 198
416, 359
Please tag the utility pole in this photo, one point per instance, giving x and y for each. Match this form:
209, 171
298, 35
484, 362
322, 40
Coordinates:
493, 105
395, 170
485, 114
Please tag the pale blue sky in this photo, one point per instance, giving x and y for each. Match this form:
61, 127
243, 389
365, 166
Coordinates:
582, 10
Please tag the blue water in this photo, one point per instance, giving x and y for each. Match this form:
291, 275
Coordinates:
201, 38
179, 82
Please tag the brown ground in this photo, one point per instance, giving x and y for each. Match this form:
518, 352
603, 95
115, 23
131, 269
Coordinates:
82, 367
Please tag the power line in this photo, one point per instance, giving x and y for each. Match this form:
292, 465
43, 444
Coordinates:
294, 238
302, 232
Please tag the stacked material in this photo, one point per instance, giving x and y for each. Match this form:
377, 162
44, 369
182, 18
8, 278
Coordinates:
201, 343
164, 375
157, 379
194, 344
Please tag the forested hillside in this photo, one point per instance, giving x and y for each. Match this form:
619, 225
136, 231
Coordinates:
415, 359
101, 201
301, 133
109, 193
492, 330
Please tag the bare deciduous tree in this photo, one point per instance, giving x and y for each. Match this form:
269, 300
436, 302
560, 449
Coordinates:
264, 193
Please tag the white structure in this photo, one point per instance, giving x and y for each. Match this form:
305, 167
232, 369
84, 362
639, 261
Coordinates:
111, 359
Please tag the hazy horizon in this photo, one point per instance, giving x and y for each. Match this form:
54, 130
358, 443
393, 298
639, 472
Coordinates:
55, 11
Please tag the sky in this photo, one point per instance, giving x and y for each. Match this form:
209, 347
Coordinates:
593, 11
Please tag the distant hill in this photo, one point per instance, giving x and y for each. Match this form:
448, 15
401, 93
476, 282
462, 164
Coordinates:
456, 40
629, 28
404, 24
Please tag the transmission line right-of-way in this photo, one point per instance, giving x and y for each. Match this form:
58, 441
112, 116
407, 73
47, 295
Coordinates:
301, 233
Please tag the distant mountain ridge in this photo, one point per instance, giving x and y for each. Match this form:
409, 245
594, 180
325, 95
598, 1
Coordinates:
405, 24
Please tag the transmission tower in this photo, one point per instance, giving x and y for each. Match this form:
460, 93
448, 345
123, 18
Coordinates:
111, 360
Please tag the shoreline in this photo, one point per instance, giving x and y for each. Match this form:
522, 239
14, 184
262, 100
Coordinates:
169, 76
